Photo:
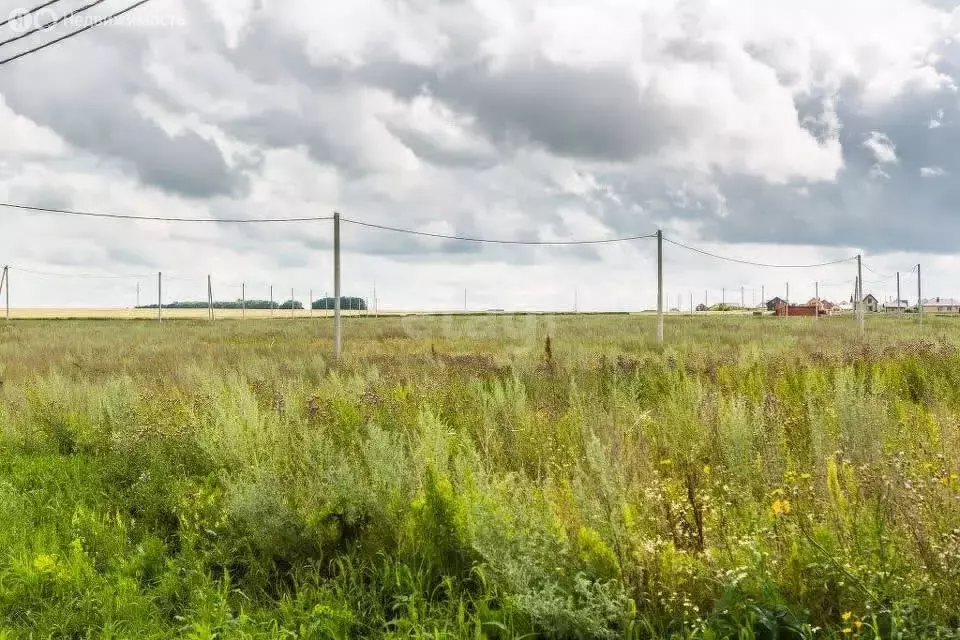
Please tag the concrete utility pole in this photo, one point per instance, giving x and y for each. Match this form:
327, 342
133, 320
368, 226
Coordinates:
160, 297
723, 296
899, 309
138, 295
816, 288
576, 301
292, 306
271, 301
5, 287
336, 286
691, 303
311, 303
860, 315
763, 295
243, 301
659, 286
919, 296
743, 299
209, 297
787, 305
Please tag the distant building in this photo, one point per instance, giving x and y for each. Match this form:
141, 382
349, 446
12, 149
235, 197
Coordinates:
825, 305
895, 306
941, 305
870, 303
798, 310
773, 304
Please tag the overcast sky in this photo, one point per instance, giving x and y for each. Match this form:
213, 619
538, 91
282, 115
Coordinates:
772, 131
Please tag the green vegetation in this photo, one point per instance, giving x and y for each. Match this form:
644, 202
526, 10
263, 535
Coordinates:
555, 477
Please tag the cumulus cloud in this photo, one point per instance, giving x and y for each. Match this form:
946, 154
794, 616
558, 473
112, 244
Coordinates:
883, 149
820, 124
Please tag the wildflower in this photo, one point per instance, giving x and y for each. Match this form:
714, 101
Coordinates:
846, 616
858, 624
781, 507
44, 563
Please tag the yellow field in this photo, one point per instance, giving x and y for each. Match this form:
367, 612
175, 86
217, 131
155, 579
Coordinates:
171, 314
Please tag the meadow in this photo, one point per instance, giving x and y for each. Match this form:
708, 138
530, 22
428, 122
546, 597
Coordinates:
480, 477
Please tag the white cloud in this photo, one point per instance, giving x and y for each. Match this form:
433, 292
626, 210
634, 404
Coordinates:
547, 118
882, 147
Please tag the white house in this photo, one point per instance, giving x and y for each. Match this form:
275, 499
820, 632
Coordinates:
893, 306
941, 305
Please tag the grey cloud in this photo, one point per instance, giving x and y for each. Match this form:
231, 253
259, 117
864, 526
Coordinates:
906, 212
91, 106
432, 151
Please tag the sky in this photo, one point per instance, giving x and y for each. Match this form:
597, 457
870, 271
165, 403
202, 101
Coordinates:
769, 131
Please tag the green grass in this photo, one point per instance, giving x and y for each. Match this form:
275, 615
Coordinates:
501, 477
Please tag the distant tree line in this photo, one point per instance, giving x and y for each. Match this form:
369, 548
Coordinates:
347, 303
237, 304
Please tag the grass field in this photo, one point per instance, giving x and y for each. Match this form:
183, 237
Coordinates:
515, 476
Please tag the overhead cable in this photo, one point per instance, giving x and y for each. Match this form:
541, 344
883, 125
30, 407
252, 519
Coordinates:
52, 23
121, 216
67, 36
14, 16
759, 264
443, 236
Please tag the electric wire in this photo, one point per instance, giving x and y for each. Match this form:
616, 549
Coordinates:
14, 17
67, 36
443, 236
122, 216
758, 264
52, 23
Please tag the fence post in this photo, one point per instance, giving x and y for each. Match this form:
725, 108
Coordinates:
336, 287
659, 286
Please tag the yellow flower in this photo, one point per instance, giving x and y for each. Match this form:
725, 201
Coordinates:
781, 507
858, 624
846, 616
847, 630
44, 563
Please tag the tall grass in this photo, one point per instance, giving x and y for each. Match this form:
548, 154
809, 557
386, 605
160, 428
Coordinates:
756, 478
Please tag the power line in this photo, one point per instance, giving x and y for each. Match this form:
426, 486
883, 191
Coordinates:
93, 276
888, 275
17, 16
73, 33
121, 216
759, 264
443, 236
52, 23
